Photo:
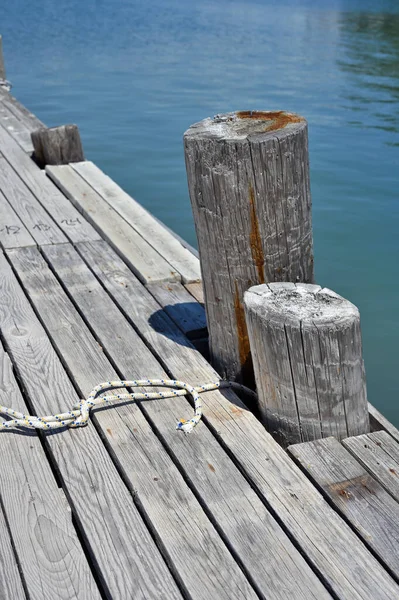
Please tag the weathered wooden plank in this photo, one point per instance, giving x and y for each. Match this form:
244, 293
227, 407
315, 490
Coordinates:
236, 509
317, 529
378, 452
196, 290
127, 560
186, 312
199, 556
13, 233
166, 244
39, 224
248, 179
361, 499
307, 354
148, 265
30, 120
378, 422
15, 127
57, 145
49, 552
49, 196
11, 587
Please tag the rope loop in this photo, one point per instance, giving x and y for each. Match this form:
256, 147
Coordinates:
80, 413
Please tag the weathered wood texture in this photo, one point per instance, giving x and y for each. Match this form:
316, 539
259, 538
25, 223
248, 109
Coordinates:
57, 145
154, 232
11, 587
329, 544
236, 510
13, 233
35, 218
378, 422
46, 193
372, 512
182, 308
197, 291
379, 454
49, 552
148, 265
22, 114
307, 352
15, 127
205, 567
126, 558
248, 179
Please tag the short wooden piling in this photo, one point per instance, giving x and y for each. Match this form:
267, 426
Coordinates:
248, 179
57, 145
307, 352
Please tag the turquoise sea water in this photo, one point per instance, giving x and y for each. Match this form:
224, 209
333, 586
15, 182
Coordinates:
135, 75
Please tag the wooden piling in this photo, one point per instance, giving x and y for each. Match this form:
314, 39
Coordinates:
2, 66
307, 352
57, 145
248, 179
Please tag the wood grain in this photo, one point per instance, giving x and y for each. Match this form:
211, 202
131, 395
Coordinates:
35, 218
378, 452
248, 180
15, 127
307, 353
197, 554
11, 587
378, 422
234, 506
154, 232
317, 529
49, 552
196, 290
126, 558
148, 265
48, 195
13, 233
373, 513
57, 145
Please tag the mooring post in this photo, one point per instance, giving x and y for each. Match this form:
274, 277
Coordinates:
248, 178
307, 351
57, 145
2, 66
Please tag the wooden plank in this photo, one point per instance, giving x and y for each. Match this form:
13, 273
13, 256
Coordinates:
39, 224
235, 508
11, 587
148, 265
181, 259
205, 567
188, 314
317, 529
379, 422
373, 513
127, 560
15, 127
30, 120
196, 290
49, 552
378, 452
13, 233
49, 196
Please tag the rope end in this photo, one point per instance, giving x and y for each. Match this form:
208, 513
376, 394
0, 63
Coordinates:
185, 426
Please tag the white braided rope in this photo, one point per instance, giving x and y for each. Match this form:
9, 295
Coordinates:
79, 415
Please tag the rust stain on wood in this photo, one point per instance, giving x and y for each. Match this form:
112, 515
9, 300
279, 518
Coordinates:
211, 467
278, 118
109, 431
242, 332
254, 237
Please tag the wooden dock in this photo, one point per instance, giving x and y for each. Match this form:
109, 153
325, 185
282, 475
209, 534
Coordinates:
93, 289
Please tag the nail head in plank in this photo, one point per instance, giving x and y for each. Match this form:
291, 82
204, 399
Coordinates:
121, 545
48, 548
164, 242
372, 512
320, 533
141, 257
249, 527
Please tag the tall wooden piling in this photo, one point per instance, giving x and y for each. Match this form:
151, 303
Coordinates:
248, 178
307, 352
2, 66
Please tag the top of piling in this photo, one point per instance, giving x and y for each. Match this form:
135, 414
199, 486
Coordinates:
244, 123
